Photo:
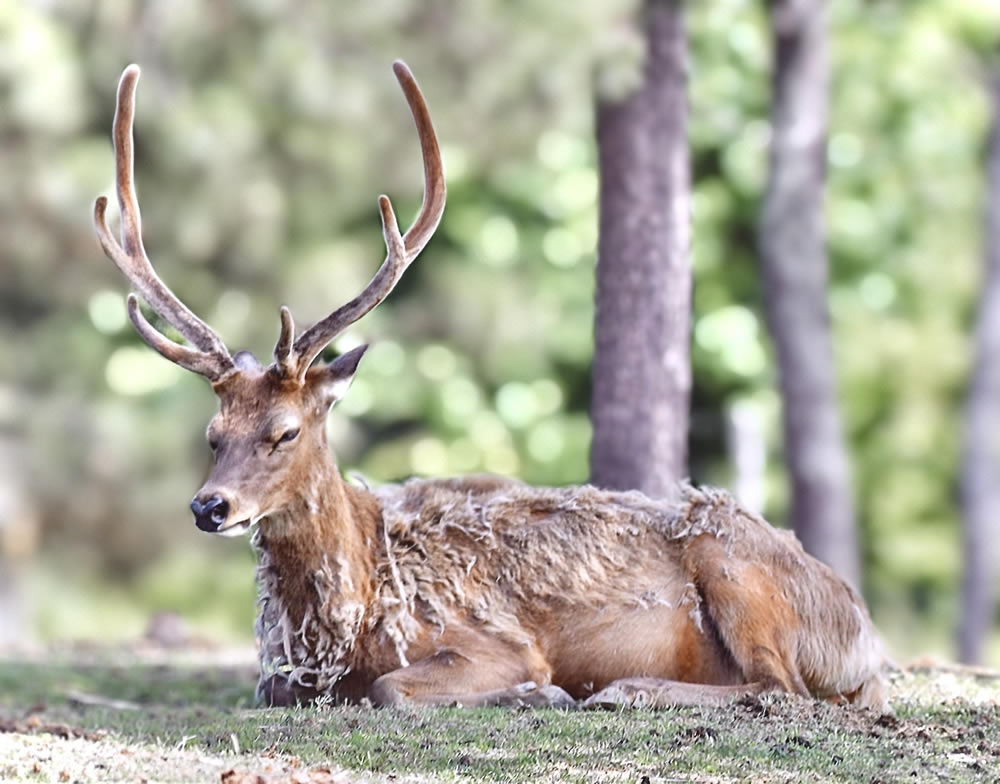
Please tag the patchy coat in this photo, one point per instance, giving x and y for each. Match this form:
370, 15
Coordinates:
586, 586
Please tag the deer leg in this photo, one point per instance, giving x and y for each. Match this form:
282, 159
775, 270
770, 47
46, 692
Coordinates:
871, 694
450, 677
659, 693
275, 691
754, 621
527, 694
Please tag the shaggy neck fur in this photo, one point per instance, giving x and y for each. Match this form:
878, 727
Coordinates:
315, 578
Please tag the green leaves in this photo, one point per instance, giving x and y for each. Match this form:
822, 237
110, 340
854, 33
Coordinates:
261, 148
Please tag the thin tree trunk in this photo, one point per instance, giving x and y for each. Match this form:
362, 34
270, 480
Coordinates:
747, 453
980, 479
794, 272
642, 370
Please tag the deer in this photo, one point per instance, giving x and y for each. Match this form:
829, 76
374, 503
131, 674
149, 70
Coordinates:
479, 590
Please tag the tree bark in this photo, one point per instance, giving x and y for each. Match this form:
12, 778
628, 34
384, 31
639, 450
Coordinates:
794, 272
642, 370
980, 479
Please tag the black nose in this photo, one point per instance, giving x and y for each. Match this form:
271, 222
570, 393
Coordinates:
210, 515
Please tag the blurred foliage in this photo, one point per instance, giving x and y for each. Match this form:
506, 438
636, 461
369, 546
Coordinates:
266, 129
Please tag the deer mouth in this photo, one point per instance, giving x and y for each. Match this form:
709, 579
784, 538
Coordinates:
238, 528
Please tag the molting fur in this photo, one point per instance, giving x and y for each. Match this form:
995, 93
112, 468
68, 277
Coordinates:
510, 560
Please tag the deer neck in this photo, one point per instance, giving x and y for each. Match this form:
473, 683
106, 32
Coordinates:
323, 545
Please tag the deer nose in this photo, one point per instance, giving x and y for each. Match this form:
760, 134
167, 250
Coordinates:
209, 515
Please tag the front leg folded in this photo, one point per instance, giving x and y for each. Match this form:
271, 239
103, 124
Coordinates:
524, 695
274, 691
450, 677
659, 693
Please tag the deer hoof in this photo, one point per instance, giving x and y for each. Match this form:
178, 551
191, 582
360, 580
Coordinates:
525, 688
556, 697
529, 695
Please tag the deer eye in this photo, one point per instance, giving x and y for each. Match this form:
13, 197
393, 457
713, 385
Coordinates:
213, 442
288, 435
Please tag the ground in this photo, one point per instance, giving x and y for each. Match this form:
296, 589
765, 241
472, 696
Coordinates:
97, 715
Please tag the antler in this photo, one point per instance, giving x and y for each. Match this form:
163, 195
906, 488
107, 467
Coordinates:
210, 358
294, 358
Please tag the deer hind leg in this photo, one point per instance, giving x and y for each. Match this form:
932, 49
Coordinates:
753, 619
472, 678
871, 694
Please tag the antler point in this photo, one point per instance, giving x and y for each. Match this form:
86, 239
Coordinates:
100, 216
130, 77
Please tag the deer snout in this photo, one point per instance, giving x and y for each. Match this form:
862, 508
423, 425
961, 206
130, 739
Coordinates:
211, 513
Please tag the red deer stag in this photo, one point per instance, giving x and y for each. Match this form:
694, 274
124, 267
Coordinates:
480, 591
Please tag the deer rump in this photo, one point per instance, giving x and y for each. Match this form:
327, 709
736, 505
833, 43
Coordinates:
500, 583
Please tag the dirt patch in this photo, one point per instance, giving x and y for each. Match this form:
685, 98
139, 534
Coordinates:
40, 756
312, 776
36, 725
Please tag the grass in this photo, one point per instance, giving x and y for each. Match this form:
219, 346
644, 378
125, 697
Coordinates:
188, 720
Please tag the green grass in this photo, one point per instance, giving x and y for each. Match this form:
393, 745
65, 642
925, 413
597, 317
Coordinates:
946, 728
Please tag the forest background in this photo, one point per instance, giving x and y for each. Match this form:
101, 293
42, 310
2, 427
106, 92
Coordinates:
265, 131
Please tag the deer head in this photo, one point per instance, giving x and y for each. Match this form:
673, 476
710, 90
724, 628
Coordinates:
269, 435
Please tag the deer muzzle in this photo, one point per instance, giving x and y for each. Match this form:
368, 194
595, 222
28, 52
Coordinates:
211, 513
220, 511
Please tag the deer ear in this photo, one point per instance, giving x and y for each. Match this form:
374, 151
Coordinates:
333, 380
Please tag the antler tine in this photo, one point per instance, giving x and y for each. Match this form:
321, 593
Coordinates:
200, 362
432, 208
283, 354
130, 256
401, 250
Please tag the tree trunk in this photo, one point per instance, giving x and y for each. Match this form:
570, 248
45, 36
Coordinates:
794, 272
642, 370
980, 480
747, 449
